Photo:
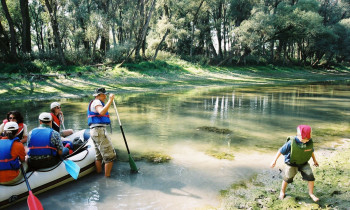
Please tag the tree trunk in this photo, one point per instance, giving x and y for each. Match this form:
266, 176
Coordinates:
26, 39
4, 41
142, 36
56, 33
195, 20
13, 38
218, 28
104, 45
160, 44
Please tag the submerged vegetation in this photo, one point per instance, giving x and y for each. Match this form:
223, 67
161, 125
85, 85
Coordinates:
220, 154
261, 191
152, 157
215, 130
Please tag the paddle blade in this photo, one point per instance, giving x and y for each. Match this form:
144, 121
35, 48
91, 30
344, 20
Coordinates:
33, 202
72, 168
133, 164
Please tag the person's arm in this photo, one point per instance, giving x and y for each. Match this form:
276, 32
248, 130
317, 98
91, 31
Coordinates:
2, 128
102, 110
273, 163
19, 151
57, 142
314, 159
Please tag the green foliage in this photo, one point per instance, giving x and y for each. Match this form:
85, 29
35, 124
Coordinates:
118, 53
148, 66
24, 67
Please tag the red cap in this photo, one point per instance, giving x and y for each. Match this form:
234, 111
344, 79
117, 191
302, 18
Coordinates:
305, 131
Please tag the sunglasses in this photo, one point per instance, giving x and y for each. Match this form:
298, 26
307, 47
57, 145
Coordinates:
58, 107
12, 118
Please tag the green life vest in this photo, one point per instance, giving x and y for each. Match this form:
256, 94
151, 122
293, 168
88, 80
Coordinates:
300, 153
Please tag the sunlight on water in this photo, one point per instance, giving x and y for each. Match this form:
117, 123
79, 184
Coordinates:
195, 128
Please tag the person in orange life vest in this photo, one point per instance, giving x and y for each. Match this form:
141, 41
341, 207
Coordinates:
15, 116
44, 145
11, 154
297, 152
58, 119
98, 119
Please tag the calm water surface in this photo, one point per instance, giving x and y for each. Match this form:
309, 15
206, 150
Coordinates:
259, 119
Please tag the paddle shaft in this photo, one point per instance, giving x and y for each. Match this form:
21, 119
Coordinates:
25, 178
121, 127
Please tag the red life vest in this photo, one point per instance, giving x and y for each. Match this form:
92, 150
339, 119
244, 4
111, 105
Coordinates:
56, 123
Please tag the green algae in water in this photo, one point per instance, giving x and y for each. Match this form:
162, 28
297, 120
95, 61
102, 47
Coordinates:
215, 130
155, 157
220, 154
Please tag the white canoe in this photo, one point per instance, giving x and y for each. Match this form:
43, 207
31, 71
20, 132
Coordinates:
45, 179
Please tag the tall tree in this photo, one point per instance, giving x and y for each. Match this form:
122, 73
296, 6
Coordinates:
26, 38
13, 38
51, 6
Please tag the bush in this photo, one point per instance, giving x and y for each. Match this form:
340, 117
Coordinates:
80, 57
24, 67
118, 53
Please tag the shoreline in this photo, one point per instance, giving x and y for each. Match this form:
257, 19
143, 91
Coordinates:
122, 80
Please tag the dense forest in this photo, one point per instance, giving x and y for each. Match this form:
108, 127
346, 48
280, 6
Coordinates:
220, 32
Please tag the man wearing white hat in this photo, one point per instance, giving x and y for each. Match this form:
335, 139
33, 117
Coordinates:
11, 154
44, 144
98, 119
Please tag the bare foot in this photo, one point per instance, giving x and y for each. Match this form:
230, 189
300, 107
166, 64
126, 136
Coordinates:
314, 198
282, 195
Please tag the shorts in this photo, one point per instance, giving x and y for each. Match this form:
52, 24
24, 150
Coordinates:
291, 171
103, 146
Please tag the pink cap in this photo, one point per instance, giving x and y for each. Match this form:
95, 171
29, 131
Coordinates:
305, 131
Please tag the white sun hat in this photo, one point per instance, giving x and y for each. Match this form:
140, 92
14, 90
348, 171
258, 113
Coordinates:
55, 104
45, 117
11, 126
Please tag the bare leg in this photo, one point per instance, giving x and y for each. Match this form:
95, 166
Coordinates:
283, 190
311, 191
98, 164
108, 169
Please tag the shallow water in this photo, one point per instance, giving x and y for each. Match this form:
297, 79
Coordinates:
259, 118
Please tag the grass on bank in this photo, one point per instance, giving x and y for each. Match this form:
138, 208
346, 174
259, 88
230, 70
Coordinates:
261, 192
44, 79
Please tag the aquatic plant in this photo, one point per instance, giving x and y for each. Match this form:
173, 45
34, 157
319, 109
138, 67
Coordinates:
215, 130
220, 154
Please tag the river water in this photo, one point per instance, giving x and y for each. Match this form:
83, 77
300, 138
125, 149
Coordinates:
186, 126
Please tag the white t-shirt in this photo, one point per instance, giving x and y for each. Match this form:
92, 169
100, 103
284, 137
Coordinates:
95, 103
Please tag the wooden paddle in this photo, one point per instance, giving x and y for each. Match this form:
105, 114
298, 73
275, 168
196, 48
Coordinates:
131, 161
32, 201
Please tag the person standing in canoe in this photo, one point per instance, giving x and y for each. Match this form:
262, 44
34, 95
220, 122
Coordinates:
297, 152
44, 145
58, 119
15, 116
12, 152
98, 120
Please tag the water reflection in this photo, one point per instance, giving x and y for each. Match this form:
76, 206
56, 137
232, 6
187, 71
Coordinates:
256, 115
